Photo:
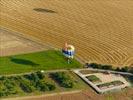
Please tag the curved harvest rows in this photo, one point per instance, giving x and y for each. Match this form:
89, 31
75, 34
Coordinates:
102, 31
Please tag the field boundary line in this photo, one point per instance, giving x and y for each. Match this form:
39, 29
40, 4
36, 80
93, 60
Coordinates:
44, 95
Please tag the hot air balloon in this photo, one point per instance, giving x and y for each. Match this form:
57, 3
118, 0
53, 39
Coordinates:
68, 51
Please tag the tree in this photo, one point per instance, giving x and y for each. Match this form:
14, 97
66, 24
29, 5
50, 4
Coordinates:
40, 74
118, 69
63, 79
25, 86
124, 69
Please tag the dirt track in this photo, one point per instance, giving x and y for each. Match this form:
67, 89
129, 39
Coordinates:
84, 95
12, 44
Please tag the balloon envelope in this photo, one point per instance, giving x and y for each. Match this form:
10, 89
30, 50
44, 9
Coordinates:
68, 51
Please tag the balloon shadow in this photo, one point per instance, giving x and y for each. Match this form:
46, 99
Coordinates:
44, 10
23, 62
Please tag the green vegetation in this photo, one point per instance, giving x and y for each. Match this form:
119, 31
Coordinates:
88, 72
38, 83
113, 83
129, 79
95, 65
93, 78
28, 83
110, 97
63, 79
45, 60
110, 67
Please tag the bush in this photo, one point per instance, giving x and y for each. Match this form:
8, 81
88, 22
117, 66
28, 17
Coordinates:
40, 75
110, 67
25, 86
124, 69
131, 70
99, 66
93, 78
63, 79
44, 86
94, 65
27, 83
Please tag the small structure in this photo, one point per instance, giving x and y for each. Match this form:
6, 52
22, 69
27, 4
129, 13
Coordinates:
68, 51
102, 82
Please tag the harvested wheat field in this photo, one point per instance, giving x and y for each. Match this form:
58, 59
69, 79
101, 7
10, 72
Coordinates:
101, 30
12, 44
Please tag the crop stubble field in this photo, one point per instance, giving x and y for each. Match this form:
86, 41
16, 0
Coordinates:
12, 44
101, 31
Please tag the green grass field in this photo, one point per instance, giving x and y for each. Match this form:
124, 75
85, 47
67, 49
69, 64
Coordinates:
45, 60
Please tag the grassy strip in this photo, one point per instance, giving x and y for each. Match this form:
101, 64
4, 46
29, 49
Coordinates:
93, 78
113, 83
45, 60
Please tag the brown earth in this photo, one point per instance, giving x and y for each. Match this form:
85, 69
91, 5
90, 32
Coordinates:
12, 44
101, 31
84, 95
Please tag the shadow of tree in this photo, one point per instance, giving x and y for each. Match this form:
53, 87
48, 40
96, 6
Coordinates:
44, 10
24, 62
129, 78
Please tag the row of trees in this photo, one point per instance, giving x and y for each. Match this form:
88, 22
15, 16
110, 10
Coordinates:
24, 83
63, 79
110, 67
7, 87
29, 83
